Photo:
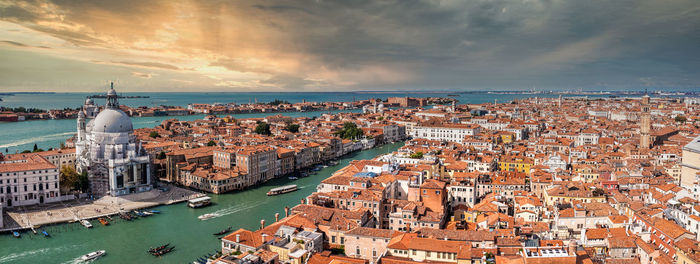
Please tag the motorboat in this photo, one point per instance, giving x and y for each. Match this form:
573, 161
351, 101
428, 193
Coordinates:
93, 255
86, 223
155, 211
282, 190
207, 216
199, 202
16, 234
103, 221
46, 234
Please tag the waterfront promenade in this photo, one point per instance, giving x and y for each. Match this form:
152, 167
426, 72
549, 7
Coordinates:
69, 211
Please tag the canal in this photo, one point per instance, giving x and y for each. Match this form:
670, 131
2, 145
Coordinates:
127, 242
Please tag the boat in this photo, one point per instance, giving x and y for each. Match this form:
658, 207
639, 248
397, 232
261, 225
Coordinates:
86, 223
163, 251
207, 216
139, 213
155, 211
125, 216
46, 234
103, 221
228, 229
156, 249
293, 178
93, 255
146, 213
453, 95
16, 234
199, 202
282, 190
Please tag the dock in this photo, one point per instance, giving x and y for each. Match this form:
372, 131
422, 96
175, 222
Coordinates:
27, 218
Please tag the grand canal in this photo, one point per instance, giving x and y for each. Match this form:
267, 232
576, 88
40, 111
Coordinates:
127, 242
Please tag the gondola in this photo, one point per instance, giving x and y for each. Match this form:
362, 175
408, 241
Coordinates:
154, 250
163, 252
228, 229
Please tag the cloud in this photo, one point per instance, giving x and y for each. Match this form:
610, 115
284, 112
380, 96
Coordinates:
361, 45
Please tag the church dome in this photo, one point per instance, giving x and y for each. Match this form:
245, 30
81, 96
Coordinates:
112, 121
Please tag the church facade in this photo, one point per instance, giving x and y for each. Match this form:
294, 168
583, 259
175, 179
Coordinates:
109, 152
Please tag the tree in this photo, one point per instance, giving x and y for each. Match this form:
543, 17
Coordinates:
681, 119
83, 182
263, 129
294, 128
154, 134
69, 177
350, 131
35, 148
161, 155
211, 143
417, 155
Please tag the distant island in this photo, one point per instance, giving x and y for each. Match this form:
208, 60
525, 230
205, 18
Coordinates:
121, 96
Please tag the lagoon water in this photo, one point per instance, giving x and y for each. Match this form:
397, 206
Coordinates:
20, 136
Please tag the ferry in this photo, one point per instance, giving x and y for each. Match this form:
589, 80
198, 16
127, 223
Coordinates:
199, 202
93, 255
86, 223
282, 190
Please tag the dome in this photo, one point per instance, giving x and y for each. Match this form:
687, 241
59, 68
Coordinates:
112, 121
111, 92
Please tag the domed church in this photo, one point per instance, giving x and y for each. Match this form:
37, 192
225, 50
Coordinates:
109, 152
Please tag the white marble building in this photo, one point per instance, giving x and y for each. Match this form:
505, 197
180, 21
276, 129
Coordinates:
110, 153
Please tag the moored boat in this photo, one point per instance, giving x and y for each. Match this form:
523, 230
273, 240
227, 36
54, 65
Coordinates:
103, 221
46, 234
16, 234
86, 223
92, 255
155, 211
293, 178
282, 190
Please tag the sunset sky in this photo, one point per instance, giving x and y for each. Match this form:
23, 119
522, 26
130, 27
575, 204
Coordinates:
323, 45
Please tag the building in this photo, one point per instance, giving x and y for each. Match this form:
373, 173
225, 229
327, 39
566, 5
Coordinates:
690, 163
28, 179
109, 152
645, 124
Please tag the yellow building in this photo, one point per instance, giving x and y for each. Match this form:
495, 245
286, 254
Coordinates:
516, 164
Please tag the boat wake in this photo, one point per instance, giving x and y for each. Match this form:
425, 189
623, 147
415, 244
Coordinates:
236, 209
15, 257
36, 139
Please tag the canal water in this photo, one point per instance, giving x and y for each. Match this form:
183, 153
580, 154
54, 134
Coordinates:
127, 242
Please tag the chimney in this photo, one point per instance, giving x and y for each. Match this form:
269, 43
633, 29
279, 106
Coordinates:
238, 238
262, 223
277, 217
286, 211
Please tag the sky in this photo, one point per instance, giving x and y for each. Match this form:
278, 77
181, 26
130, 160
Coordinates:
268, 46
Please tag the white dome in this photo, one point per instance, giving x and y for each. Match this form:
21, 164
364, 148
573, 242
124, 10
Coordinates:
111, 92
112, 121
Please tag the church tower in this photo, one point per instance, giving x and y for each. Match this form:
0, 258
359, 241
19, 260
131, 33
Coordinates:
645, 124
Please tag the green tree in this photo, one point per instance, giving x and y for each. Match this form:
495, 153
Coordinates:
161, 155
294, 128
211, 143
263, 129
681, 119
83, 182
417, 155
350, 131
68, 177
154, 134
35, 148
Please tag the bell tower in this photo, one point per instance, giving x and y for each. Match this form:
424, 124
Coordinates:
645, 124
112, 100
